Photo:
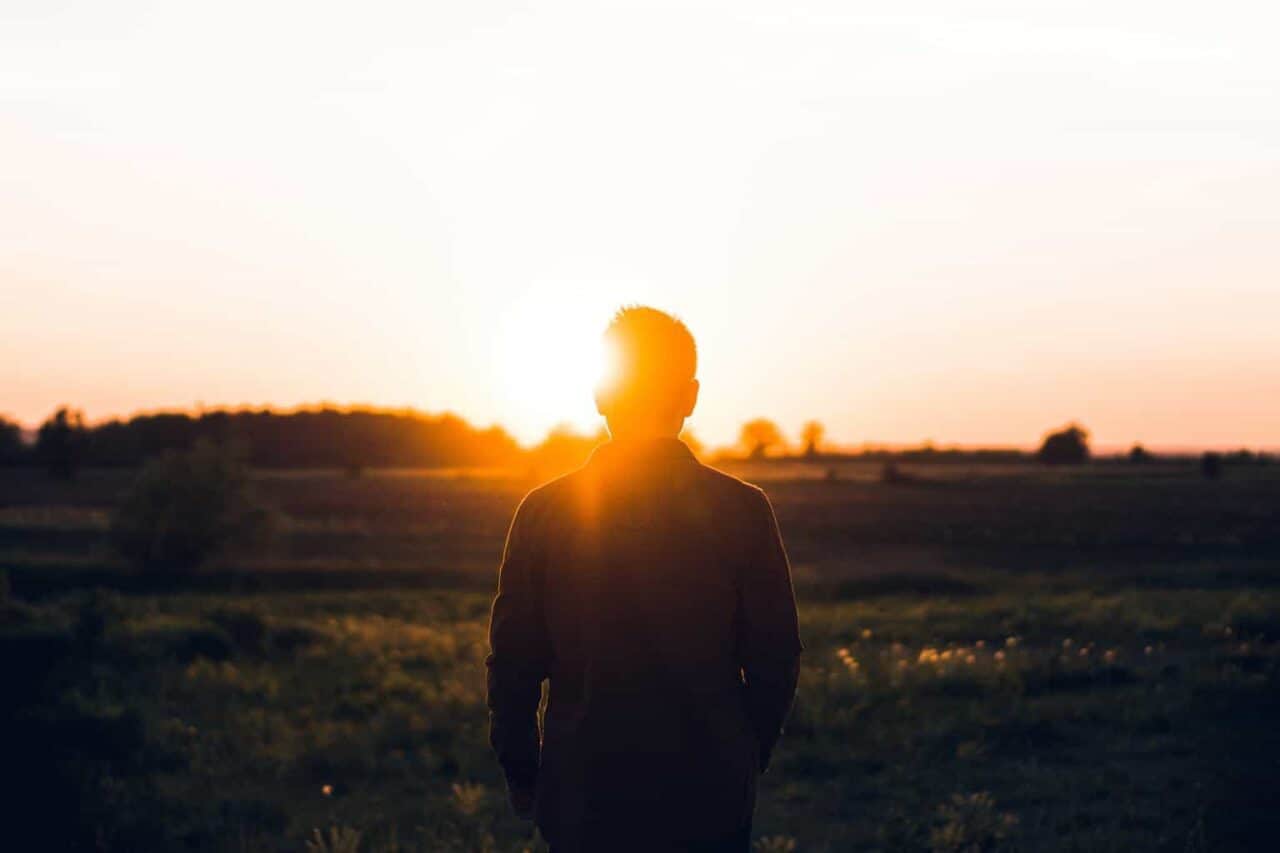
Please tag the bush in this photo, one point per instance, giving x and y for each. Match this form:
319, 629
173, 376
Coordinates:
12, 449
1067, 446
61, 441
184, 508
970, 823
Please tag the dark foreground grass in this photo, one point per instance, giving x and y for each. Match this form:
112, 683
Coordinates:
1064, 710
995, 660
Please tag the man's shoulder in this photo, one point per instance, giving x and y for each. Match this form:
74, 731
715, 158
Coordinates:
726, 487
546, 497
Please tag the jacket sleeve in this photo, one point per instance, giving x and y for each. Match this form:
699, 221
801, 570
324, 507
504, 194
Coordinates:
517, 660
769, 635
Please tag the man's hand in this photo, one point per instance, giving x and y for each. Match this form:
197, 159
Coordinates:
522, 800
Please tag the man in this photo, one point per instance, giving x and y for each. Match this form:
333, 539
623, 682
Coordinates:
654, 595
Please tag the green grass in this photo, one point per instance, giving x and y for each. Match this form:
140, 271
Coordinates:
1126, 719
965, 696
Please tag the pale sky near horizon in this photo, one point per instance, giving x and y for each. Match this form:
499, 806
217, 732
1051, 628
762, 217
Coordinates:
913, 220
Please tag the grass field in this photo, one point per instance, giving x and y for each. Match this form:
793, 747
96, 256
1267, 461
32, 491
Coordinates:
997, 658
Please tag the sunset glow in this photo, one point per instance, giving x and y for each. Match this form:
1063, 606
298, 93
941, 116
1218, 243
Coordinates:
964, 223
550, 359
640, 425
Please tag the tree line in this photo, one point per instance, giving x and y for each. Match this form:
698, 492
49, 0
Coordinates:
761, 438
318, 438
358, 438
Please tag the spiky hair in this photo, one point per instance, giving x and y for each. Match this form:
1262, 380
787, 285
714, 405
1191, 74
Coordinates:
654, 353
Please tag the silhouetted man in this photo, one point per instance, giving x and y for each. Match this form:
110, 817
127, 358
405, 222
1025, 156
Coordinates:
654, 595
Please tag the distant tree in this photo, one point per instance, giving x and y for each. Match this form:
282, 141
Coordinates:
812, 434
1211, 465
12, 449
1139, 455
61, 441
758, 436
1067, 446
187, 506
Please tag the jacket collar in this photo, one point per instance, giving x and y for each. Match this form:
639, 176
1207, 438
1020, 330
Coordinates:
652, 450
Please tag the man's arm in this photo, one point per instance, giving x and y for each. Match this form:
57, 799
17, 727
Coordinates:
518, 652
769, 639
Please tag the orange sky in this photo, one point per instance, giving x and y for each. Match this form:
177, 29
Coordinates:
928, 222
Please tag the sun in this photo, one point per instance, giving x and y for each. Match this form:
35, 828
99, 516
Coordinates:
549, 359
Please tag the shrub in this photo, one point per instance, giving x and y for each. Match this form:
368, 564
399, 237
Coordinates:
60, 442
1067, 446
970, 823
186, 507
12, 449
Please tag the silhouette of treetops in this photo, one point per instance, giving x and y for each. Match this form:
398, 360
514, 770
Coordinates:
1067, 446
355, 439
12, 449
314, 438
811, 434
758, 436
61, 443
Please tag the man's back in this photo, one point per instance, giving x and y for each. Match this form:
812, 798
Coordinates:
643, 586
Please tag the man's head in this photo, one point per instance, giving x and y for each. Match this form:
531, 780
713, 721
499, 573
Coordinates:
649, 386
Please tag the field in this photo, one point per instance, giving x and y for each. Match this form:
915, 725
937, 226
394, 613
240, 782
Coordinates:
997, 658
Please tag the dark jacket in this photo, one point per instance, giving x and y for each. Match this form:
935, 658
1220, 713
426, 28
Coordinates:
654, 593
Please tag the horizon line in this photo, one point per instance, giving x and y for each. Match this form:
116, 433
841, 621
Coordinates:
834, 447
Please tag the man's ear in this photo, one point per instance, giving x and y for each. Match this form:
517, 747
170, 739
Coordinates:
691, 397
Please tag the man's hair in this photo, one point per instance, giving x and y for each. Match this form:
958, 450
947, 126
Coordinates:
652, 356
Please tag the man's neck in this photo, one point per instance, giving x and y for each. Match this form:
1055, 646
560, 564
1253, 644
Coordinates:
629, 435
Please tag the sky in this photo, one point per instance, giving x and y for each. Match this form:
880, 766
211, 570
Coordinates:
919, 220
